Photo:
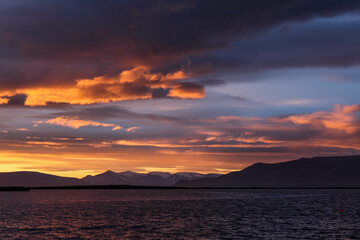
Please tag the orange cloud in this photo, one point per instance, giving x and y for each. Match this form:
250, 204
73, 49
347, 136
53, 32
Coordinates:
225, 142
132, 129
137, 83
4, 101
342, 118
187, 90
75, 122
117, 128
22, 129
154, 143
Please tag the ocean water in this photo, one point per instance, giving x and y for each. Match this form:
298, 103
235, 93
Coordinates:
180, 214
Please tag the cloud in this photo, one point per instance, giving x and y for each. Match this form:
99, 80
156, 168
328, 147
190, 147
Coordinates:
219, 141
337, 128
17, 100
75, 122
4, 101
91, 52
342, 118
315, 133
160, 93
330, 43
132, 129
112, 112
236, 98
137, 83
332, 131
104, 39
22, 129
187, 90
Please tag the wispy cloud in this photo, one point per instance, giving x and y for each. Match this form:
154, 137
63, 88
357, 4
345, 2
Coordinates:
132, 129
76, 122
342, 118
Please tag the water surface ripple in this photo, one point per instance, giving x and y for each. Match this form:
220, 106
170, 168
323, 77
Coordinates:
180, 214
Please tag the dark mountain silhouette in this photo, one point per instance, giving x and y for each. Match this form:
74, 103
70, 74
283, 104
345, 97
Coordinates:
36, 179
305, 172
314, 172
143, 179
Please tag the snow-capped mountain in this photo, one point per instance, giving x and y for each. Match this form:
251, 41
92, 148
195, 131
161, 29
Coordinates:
143, 179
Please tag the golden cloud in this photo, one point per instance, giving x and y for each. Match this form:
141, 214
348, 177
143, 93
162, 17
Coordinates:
75, 122
231, 138
132, 129
137, 83
187, 90
4, 101
342, 118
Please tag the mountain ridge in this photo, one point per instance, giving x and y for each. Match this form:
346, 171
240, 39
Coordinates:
338, 171
316, 172
144, 179
36, 179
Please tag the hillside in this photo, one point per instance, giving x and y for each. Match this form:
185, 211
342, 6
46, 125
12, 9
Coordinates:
143, 179
36, 179
305, 172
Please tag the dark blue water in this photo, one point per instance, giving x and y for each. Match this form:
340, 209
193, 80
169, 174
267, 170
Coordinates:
180, 214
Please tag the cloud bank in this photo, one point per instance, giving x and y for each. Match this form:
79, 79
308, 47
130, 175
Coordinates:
82, 51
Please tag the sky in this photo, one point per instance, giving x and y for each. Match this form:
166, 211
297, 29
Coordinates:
194, 85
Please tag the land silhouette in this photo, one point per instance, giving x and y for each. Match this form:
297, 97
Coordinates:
317, 172
36, 179
144, 179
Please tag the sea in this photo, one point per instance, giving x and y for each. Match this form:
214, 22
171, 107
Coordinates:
181, 214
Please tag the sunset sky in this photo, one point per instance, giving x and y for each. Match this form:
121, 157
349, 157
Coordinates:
191, 85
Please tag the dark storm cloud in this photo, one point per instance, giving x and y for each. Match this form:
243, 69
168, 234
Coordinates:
160, 92
16, 100
321, 43
44, 43
190, 86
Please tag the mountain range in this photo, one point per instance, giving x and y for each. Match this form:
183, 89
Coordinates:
317, 172
144, 179
36, 179
314, 172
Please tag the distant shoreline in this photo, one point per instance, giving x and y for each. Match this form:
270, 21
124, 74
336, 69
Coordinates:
119, 187
13, 189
